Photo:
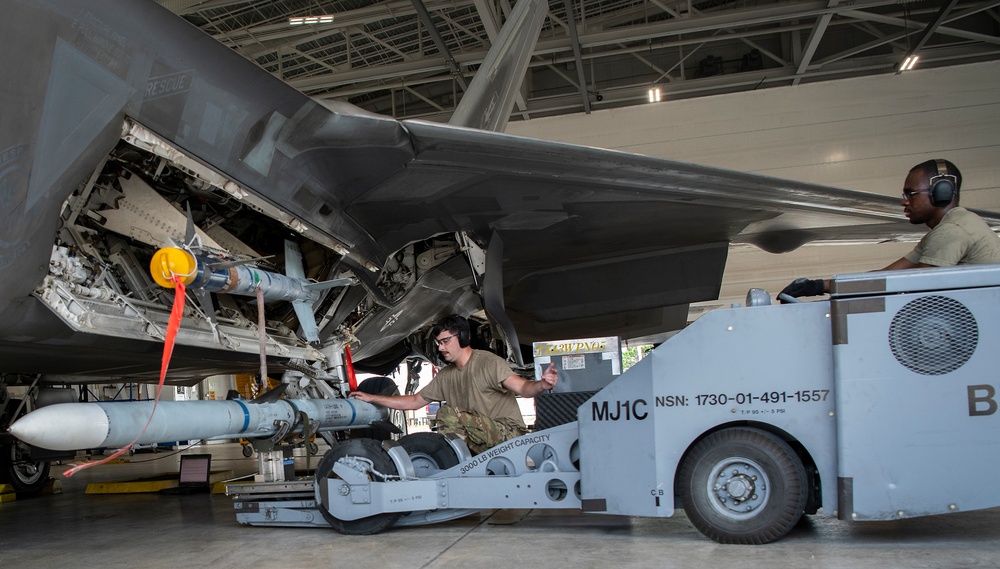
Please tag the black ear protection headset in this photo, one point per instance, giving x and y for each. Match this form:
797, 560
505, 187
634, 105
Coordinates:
464, 337
942, 185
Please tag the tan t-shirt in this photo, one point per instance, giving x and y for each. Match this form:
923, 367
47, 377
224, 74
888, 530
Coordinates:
477, 387
961, 238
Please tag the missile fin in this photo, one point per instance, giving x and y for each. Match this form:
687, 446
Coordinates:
231, 264
271, 395
205, 300
303, 309
293, 261
387, 426
346, 281
192, 241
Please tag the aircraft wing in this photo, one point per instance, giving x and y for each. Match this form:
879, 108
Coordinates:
126, 112
595, 234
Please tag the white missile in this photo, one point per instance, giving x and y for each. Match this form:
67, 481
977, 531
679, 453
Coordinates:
76, 426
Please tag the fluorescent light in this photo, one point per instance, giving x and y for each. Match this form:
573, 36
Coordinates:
310, 20
655, 96
909, 63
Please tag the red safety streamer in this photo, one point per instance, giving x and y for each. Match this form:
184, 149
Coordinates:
174, 324
352, 378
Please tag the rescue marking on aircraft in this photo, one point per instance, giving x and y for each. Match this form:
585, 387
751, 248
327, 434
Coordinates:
101, 41
169, 84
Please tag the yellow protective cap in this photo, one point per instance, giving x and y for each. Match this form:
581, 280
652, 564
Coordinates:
172, 261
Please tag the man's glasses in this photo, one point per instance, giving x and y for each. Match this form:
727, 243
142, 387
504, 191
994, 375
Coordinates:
907, 194
442, 341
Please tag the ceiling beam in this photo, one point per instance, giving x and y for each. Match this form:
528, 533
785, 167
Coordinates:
442, 48
814, 38
575, 41
926, 33
551, 49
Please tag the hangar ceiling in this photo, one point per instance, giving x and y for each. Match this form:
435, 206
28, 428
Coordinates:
381, 56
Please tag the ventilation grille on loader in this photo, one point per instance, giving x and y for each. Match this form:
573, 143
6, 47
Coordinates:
933, 335
553, 409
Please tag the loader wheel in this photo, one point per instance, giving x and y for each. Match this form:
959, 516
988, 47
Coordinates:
429, 453
744, 486
381, 463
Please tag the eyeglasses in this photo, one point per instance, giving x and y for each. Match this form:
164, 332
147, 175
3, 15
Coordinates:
907, 194
442, 341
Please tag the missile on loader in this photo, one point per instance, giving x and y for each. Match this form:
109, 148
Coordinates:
110, 424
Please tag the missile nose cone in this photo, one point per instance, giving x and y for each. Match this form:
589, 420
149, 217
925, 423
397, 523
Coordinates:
66, 426
170, 261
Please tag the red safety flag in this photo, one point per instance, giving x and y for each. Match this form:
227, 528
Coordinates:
174, 324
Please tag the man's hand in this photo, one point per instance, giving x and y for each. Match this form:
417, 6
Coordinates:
529, 389
549, 377
366, 397
804, 287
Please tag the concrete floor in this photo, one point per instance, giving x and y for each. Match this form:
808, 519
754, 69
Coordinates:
78, 531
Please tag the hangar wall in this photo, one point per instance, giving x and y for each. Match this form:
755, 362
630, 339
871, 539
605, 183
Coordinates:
862, 134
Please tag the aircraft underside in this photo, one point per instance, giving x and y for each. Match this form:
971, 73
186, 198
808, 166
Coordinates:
98, 315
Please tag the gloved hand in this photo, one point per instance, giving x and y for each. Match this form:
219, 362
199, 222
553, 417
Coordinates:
804, 287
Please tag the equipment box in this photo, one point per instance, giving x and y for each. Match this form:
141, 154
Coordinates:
585, 367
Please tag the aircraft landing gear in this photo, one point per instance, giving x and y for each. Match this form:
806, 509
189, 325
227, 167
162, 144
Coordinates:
17, 469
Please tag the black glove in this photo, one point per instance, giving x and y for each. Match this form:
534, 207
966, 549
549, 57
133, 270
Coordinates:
804, 287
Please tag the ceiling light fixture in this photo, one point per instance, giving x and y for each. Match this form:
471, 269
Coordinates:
655, 96
908, 63
310, 20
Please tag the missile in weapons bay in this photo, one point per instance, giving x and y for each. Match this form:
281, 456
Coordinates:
198, 271
75, 426
204, 274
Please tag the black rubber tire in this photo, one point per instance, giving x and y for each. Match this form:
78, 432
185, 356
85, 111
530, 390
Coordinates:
23, 475
365, 448
770, 468
375, 386
379, 386
247, 451
428, 451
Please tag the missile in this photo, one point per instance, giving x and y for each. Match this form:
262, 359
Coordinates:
112, 424
204, 274
200, 271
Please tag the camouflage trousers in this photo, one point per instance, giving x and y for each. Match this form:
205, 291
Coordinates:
477, 430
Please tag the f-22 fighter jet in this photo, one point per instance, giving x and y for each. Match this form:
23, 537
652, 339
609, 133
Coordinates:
133, 148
